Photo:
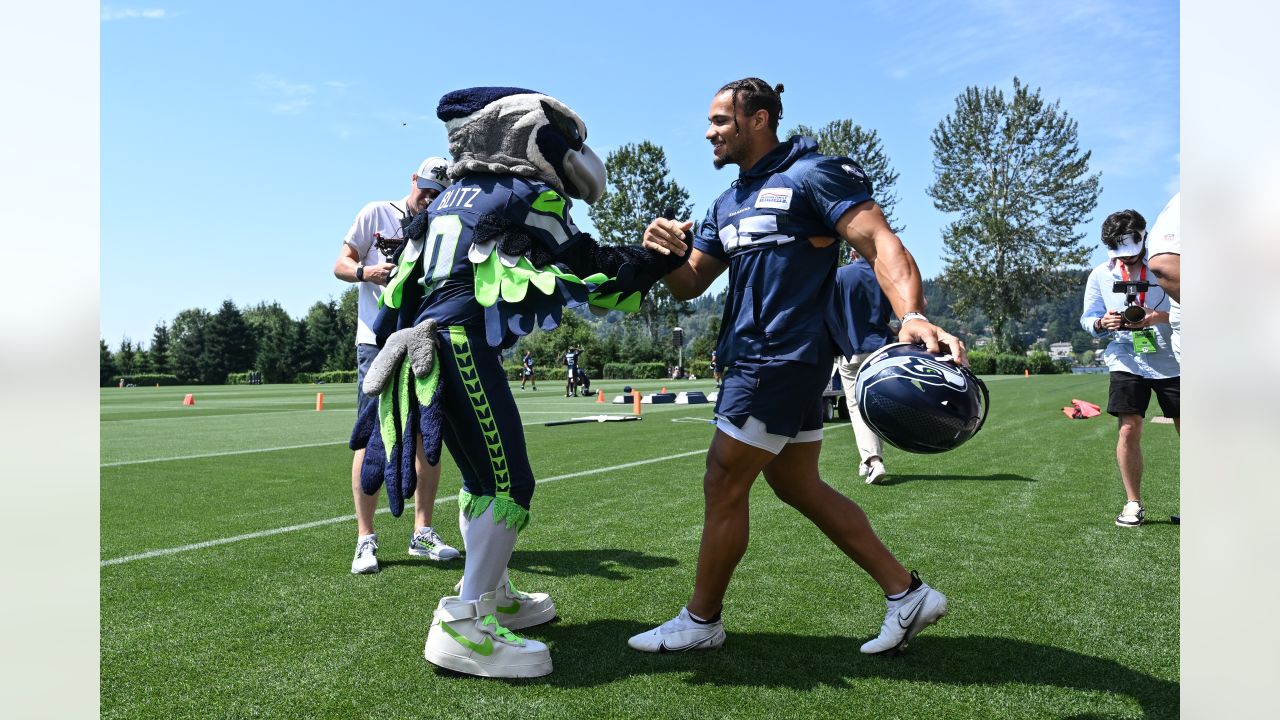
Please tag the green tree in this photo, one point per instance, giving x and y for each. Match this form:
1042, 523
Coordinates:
641, 190
107, 370
276, 337
127, 357
228, 345
843, 138
159, 352
187, 334
320, 338
1014, 171
344, 353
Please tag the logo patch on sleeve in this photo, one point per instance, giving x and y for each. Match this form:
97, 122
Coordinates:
853, 170
774, 198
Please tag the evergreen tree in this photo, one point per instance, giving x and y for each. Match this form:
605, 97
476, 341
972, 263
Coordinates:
159, 353
228, 345
641, 190
276, 338
844, 138
344, 353
1014, 171
321, 338
187, 335
107, 370
126, 358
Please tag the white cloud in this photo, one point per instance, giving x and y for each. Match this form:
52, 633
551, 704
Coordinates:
109, 14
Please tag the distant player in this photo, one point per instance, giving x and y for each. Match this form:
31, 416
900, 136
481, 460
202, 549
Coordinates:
526, 371
571, 365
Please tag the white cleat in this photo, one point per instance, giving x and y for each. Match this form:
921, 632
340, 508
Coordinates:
679, 634
466, 637
426, 543
366, 559
906, 617
875, 472
517, 610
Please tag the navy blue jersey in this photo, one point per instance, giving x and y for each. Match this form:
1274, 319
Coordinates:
779, 305
528, 362
861, 306
448, 277
571, 359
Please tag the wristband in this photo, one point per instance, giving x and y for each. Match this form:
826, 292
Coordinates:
913, 316
360, 272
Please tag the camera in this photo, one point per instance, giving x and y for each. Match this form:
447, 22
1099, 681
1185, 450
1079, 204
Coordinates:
1133, 312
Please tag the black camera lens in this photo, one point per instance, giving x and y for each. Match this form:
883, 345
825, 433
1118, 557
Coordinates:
1133, 314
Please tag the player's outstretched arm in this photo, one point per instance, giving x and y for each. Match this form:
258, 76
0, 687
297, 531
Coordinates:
692, 278
865, 228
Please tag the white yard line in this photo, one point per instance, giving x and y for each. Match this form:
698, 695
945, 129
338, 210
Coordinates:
349, 518
221, 454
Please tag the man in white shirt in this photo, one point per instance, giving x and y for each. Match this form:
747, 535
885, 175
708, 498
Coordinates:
1164, 250
1140, 355
362, 261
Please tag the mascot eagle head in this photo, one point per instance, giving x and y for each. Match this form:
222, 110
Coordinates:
521, 132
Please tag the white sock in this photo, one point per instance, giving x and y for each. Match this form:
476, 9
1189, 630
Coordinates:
489, 547
370, 536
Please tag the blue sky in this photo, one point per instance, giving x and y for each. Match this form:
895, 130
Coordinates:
239, 139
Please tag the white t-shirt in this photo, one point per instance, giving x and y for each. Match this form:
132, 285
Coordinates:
380, 216
1166, 237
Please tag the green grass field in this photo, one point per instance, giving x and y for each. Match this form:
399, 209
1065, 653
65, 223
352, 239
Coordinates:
1055, 612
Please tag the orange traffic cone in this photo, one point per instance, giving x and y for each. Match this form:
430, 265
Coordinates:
319, 401
664, 391
635, 396
189, 399
600, 397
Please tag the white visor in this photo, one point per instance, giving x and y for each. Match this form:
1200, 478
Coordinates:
1130, 244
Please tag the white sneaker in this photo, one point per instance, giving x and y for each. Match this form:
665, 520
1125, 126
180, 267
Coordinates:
466, 637
1132, 514
426, 542
517, 610
366, 559
679, 634
875, 472
906, 617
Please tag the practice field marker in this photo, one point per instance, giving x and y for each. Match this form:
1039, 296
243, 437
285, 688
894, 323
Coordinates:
349, 518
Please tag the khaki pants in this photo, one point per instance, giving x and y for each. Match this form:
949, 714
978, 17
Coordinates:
869, 444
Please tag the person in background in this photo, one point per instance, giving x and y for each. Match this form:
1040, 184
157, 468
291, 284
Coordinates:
1139, 356
864, 312
361, 261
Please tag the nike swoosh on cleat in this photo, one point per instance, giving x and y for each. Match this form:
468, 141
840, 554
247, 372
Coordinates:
910, 617
663, 647
484, 648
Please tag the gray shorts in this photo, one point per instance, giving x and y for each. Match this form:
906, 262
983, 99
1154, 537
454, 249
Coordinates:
364, 358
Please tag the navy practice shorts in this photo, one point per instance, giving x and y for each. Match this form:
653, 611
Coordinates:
785, 396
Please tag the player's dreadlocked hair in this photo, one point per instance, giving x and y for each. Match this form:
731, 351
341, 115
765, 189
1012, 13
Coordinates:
755, 94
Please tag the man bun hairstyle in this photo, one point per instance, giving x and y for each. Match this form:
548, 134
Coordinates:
1119, 224
753, 95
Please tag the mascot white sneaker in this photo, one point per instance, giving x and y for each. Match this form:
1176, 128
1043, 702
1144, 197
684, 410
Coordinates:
466, 637
517, 610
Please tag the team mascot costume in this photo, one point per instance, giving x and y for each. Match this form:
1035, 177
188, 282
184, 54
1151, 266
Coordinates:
495, 256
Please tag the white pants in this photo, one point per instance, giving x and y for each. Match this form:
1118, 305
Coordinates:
869, 444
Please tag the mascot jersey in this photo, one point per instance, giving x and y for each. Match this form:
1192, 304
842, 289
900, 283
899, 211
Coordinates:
779, 305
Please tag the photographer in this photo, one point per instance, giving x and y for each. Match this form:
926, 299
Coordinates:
1121, 299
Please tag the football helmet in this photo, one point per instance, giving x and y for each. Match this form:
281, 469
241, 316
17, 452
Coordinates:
918, 401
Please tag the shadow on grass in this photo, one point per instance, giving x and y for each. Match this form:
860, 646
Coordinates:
900, 479
597, 654
609, 564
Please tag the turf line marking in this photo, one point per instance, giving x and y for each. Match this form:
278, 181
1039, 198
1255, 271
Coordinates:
349, 518
221, 454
